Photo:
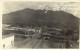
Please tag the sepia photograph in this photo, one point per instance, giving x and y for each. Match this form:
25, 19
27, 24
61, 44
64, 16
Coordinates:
40, 25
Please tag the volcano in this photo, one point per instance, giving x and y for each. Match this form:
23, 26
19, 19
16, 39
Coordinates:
40, 18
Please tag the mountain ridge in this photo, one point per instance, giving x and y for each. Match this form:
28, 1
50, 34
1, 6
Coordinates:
39, 17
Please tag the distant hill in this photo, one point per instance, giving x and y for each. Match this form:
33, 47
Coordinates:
40, 18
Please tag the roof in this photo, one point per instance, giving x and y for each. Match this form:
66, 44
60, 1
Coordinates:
54, 29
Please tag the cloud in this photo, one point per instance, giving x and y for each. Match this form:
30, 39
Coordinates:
70, 7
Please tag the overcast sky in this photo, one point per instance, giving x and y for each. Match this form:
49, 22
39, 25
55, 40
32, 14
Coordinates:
70, 7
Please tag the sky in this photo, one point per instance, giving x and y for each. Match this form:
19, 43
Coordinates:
70, 7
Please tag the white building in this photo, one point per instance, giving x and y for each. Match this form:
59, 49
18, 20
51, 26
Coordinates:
38, 30
8, 41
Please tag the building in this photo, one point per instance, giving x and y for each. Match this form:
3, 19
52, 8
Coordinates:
8, 41
36, 30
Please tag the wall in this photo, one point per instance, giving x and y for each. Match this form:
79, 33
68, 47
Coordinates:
8, 42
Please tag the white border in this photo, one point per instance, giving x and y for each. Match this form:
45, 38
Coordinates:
47, 0
1, 2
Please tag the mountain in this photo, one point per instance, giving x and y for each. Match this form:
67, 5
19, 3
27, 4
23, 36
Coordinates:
40, 18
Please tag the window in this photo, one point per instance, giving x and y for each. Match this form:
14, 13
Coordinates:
3, 45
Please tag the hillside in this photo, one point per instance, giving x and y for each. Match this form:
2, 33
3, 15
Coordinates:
40, 18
